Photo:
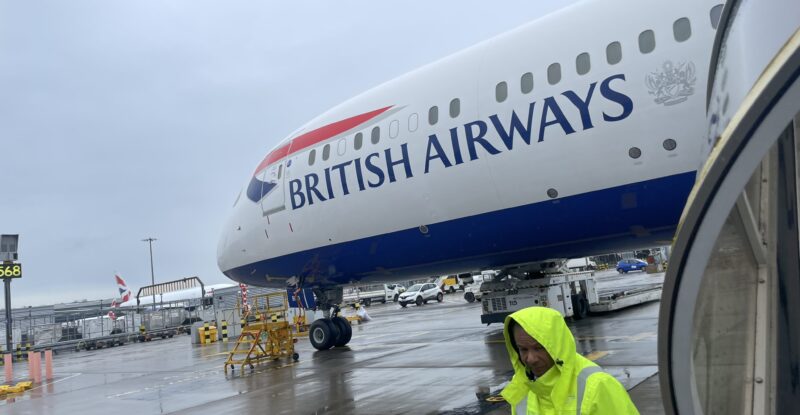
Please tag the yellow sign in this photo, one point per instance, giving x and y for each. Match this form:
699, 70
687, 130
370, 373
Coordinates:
10, 270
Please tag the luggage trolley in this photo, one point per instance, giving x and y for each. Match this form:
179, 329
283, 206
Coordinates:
269, 337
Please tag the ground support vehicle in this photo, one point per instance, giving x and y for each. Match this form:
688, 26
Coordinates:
369, 294
572, 294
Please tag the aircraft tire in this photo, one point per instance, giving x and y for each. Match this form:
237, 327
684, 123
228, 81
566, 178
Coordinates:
323, 334
345, 331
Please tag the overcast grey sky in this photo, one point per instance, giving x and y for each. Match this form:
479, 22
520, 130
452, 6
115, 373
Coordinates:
121, 120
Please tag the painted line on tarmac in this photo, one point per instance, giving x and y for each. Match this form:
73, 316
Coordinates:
56, 381
641, 336
597, 354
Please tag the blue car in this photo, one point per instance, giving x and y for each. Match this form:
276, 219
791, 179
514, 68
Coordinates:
627, 265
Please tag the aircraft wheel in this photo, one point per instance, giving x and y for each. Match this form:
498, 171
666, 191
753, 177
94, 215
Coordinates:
323, 334
418, 301
439, 297
345, 331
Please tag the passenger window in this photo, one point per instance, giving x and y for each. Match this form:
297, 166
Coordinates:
358, 140
394, 128
715, 14
613, 53
554, 73
433, 115
583, 64
326, 152
647, 41
455, 107
526, 83
342, 147
311, 155
501, 91
682, 29
376, 135
413, 122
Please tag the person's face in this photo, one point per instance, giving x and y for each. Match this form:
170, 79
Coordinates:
532, 354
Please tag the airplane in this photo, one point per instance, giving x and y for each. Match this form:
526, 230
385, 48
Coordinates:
576, 134
126, 298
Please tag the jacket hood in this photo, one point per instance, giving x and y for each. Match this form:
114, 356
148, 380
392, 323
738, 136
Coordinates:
547, 327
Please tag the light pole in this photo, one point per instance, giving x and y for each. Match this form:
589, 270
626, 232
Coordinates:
152, 274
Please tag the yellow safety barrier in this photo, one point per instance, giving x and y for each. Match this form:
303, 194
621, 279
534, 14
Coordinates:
224, 331
208, 334
18, 388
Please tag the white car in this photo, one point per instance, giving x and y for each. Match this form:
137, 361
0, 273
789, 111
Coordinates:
473, 293
421, 293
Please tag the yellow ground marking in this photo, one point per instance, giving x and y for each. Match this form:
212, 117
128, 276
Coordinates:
641, 336
597, 354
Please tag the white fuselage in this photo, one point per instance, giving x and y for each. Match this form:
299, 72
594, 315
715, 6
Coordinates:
565, 137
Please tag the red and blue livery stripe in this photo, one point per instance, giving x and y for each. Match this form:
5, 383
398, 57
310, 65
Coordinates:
257, 189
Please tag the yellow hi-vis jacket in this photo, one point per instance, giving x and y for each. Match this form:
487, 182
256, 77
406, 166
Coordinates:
572, 379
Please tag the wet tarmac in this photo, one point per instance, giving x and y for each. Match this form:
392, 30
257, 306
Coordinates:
436, 358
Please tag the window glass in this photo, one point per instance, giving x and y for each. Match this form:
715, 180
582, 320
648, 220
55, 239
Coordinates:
455, 107
647, 41
715, 14
394, 128
582, 64
311, 156
433, 115
413, 122
682, 29
376, 135
501, 91
358, 141
613, 53
326, 152
526, 83
554, 73
342, 147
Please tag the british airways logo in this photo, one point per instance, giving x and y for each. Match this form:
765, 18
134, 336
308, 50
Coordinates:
467, 143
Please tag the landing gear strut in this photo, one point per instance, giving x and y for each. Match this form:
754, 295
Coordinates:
333, 330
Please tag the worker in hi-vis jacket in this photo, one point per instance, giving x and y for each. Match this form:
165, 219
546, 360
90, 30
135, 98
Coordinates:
550, 377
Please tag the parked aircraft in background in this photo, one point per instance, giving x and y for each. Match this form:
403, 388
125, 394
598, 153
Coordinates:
127, 299
579, 133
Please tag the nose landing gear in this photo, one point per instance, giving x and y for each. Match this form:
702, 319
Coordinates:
333, 330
